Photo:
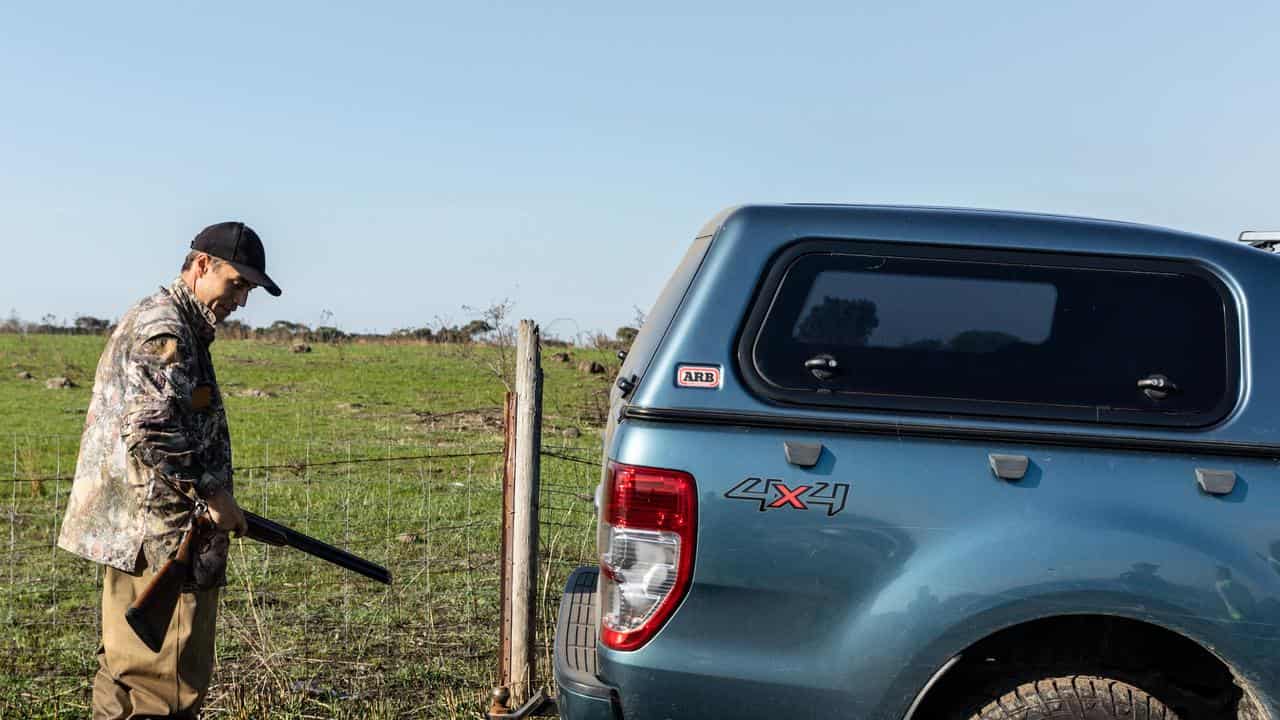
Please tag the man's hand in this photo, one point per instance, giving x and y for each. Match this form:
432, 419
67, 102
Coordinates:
226, 514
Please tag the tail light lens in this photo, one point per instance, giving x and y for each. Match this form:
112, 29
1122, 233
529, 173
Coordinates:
646, 551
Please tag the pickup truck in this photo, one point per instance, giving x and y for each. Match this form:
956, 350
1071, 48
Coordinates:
911, 463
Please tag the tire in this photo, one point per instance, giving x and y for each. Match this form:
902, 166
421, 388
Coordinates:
1075, 697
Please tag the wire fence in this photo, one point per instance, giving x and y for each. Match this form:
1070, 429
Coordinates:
298, 637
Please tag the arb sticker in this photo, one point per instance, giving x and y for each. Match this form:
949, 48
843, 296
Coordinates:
698, 376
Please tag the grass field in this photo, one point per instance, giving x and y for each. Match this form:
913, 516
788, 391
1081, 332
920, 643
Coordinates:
391, 451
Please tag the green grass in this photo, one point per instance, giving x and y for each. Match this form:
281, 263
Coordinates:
298, 638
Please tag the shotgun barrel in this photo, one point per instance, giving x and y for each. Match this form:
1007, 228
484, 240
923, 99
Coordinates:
152, 611
273, 533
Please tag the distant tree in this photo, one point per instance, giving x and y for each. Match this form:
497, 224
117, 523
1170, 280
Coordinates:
326, 333
476, 327
49, 325
452, 335
283, 330
418, 333
234, 329
837, 321
89, 325
289, 327
626, 334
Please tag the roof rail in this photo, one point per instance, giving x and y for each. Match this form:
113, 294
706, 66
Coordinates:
1268, 240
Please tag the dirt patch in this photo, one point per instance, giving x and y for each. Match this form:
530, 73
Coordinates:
470, 420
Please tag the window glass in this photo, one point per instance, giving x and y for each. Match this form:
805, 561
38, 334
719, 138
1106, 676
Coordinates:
897, 311
1032, 340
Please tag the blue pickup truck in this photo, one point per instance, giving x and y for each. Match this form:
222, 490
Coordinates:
915, 463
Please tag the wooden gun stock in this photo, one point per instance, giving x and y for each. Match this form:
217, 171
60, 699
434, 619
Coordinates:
152, 611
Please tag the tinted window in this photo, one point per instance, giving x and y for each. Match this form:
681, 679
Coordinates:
874, 309
988, 335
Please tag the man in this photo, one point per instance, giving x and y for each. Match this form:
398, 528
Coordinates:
155, 444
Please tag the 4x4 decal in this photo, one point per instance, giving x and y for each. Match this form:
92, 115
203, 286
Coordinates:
774, 494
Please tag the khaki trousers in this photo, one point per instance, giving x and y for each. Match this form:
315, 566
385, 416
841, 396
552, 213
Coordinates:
132, 682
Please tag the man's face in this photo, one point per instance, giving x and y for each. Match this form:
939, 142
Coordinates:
221, 287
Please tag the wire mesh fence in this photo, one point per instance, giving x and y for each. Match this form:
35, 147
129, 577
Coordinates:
298, 637
567, 539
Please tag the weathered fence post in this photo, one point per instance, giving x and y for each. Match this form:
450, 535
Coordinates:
520, 526
501, 693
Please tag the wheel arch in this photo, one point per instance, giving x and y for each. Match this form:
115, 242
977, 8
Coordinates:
1202, 684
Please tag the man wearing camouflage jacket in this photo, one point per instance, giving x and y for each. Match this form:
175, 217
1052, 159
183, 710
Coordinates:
156, 441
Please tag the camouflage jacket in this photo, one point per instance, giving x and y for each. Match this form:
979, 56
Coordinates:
155, 423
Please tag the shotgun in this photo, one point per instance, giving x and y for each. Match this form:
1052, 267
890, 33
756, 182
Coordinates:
152, 611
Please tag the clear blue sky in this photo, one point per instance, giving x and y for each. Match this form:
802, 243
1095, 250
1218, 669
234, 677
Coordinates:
404, 160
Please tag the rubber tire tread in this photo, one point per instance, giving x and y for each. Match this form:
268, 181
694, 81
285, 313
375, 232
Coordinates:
1075, 697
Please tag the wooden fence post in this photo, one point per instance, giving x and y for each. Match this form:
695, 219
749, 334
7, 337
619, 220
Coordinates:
520, 527
524, 529
502, 693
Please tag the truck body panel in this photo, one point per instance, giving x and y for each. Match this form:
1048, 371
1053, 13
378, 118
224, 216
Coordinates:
840, 589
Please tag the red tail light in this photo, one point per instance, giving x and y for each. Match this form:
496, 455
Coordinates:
647, 534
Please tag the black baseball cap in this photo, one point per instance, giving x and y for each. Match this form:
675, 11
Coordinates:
239, 245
